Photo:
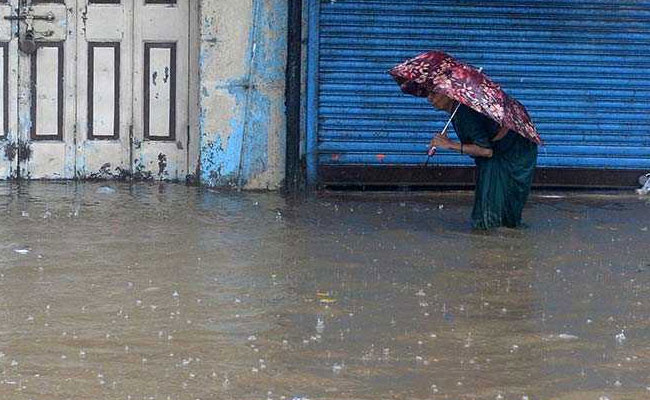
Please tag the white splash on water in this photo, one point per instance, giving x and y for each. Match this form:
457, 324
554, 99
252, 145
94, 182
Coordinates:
620, 337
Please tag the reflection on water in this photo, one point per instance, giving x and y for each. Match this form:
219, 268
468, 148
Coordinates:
113, 291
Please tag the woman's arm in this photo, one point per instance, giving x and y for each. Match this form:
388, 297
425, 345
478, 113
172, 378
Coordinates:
471, 149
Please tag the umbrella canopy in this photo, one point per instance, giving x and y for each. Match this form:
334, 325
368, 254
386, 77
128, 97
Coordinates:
438, 72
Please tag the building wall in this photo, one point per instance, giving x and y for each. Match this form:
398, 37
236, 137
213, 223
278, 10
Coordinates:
242, 65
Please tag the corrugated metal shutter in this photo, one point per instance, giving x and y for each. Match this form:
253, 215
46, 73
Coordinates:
579, 66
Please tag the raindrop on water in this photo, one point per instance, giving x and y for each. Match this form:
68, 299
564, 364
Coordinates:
620, 337
320, 325
337, 368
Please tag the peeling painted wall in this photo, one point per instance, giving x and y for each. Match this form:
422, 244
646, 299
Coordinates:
242, 76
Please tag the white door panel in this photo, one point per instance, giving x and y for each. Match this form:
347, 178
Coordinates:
47, 90
104, 98
161, 88
104, 93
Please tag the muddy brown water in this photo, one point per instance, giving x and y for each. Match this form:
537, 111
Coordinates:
162, 291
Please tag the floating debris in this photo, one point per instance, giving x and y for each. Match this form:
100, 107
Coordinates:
561, 336
106, 190
566, 336
325, 297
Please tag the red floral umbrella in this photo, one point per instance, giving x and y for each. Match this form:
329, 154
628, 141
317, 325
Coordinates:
438, 72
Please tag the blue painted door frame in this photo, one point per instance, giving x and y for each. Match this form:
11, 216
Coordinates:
312, 92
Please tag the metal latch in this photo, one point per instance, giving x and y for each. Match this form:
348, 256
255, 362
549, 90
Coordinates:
27, 41
22, 17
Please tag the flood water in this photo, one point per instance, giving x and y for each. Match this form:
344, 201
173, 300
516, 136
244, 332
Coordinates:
162, 291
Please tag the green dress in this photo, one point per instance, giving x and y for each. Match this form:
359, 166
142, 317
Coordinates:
502, 181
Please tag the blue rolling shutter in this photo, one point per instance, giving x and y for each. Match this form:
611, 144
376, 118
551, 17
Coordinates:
579, 66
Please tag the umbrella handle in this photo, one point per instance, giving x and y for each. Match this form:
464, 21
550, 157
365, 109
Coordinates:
453, 114
432, 150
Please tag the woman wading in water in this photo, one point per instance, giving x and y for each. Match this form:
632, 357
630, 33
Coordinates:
505, 163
